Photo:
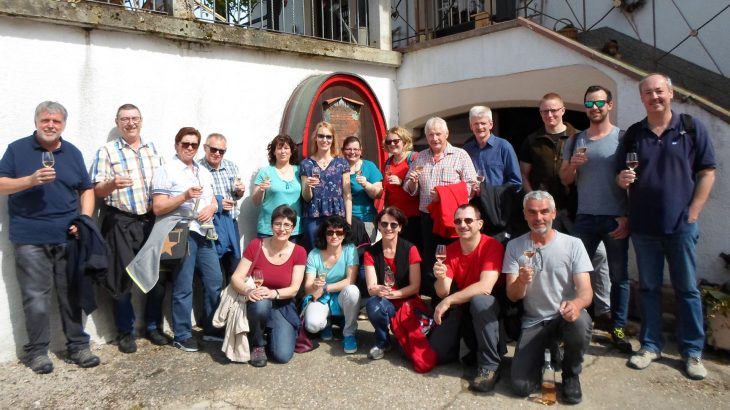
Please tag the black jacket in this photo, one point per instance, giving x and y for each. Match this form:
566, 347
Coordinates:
87, 261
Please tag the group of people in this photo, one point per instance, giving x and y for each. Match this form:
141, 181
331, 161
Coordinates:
324, 250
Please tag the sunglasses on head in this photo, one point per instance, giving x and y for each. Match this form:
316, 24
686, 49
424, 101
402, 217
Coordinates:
393, 225
468, 221
335, 232
324, 137
394, 141
214, 150
596, 103
187, 145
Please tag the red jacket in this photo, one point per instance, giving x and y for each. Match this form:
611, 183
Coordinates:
442, 212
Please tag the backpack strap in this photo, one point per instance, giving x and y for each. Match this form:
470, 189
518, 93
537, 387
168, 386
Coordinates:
688, 124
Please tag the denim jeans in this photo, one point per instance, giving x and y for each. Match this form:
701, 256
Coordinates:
203, 257
593, 229
309, 230
282, 336
380, 311
679, 249
124, 317
38, 268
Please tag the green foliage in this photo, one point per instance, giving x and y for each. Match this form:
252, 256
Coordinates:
716, 301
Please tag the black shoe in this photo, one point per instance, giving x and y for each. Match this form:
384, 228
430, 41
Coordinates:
187, 345
572, 394
157, 337
126, 343
258, 357
603, 322
40, 364
83, 358
485, 380
618, 337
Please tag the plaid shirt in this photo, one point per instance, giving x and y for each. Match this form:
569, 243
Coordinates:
453, 167
118, 158
224, 179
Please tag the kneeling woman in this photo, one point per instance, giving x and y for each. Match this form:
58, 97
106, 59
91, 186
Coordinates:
329, 283
271, 309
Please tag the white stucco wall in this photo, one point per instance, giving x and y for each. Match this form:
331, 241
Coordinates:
239, 93
527, 65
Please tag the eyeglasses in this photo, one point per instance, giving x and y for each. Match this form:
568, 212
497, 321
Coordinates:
393, 225
596, 103
126, 120
214, 150
394, 141
324, 137
186, 145
468, 221
283, 225
552, 111
335, 232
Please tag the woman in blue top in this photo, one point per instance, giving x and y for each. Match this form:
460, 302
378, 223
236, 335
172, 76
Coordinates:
325, 182
329, 282
365, 184
278, 184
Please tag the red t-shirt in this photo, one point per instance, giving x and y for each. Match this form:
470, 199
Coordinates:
275, 276
395, 195
413, 258
466, 270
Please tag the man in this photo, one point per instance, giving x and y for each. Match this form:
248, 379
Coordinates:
122, 174
42, 203
226, 184
589, 161
540, 161
439, 165
473, 263
555, 288
493, 157
674, 179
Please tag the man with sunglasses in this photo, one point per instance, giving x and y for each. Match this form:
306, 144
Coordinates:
470, 312
228, 186
122, 175
555, 288
589, 162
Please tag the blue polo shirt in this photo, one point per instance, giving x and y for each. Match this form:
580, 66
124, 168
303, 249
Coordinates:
41, 215
497, 161
659, 200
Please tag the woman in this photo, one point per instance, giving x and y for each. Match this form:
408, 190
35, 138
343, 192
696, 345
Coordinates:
325, 182
365, 184
183, 185
399, 145
329, 282
272, 316
402, 259
278, 184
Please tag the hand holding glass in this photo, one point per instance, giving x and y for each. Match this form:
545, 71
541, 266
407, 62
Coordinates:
441, 253
47, 159
258, 278
388, 278
632, 162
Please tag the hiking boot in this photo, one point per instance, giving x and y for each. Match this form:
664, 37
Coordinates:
83, 358
126, 343
350, 344
485, 380
187, 345
326, 333
643, 358
695, 369
618, 337
258, 357
572, 393
40, 364
377, 353
157, 337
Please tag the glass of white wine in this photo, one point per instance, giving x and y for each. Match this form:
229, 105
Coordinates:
322, 277
388, 278
632, 161
580, 146
47, 159
529, 253
441, 253
258, 278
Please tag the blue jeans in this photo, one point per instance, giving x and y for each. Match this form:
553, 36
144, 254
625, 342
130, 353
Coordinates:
282, 335
203, 256
309, 230
124, 311
592, 229
380, 310
679, 249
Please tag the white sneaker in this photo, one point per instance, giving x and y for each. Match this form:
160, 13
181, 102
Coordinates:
377, 353
695, 369
643, 358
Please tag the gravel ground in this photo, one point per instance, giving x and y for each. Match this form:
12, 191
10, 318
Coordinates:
164, 377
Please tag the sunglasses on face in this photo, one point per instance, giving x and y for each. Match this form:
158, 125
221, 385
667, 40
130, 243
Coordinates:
186, 145
335, 232
596, 103
393, 225
468, 221
214, 150
394, 141
324, 137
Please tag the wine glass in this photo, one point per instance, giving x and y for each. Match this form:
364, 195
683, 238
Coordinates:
580, 146
388, 278
322, 277
529, 253
316, 172
441, 253
632, 161
258, 278
47, 159
480, 177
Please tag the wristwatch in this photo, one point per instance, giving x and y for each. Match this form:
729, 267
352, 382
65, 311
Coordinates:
277, 294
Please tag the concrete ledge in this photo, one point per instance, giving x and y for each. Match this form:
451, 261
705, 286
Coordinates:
107, 17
